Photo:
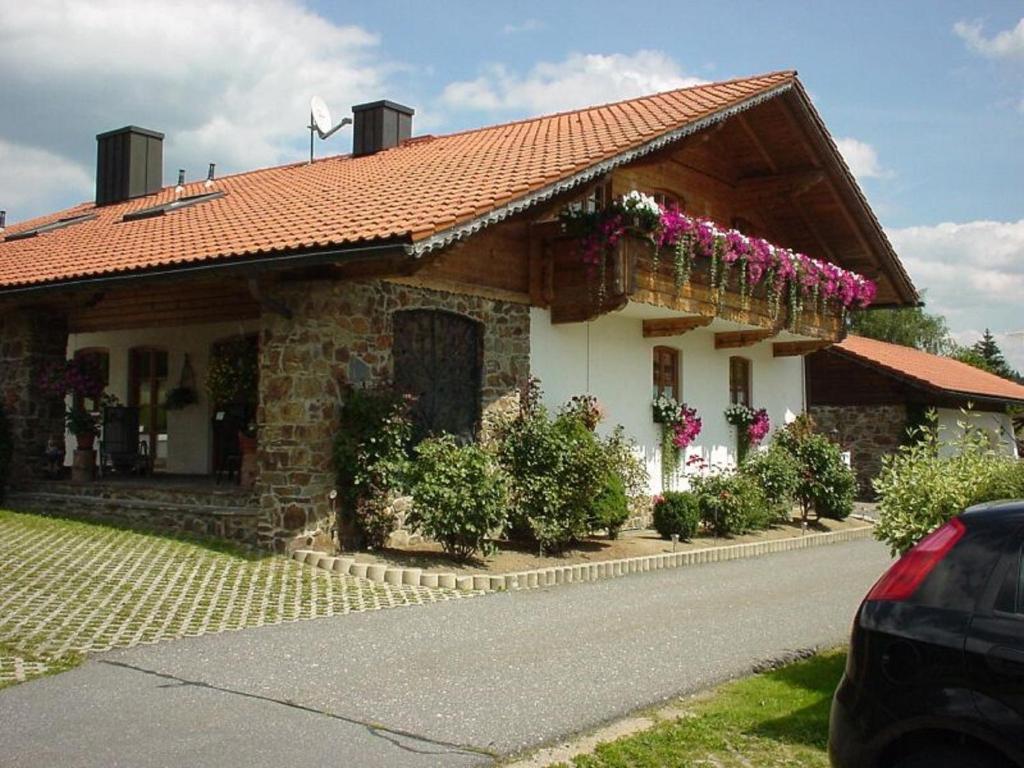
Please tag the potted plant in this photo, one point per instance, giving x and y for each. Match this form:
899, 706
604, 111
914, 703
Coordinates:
752, 427
680, 426
82, 380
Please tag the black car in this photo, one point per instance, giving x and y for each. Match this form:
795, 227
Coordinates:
935, 674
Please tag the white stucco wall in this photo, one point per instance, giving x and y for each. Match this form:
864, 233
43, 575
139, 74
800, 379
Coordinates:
189, 435
611, 359
998, 426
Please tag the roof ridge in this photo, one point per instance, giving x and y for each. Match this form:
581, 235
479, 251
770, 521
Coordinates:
790, 73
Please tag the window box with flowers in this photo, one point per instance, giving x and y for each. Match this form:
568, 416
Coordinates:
752, 426
680, 426
721, 259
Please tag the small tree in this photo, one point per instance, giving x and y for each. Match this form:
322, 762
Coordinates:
825, 485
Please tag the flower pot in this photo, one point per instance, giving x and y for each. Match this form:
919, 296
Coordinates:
86, 441
246, 445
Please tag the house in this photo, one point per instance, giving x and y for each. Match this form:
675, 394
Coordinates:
439, 264
867, 392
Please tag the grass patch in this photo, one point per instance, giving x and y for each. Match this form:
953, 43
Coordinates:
778, 718
33, 666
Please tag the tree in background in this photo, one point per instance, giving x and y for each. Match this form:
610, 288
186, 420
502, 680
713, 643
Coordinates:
987, 349
909, 326
970, 356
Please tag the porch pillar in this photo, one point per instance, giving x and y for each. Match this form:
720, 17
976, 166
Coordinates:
30, 341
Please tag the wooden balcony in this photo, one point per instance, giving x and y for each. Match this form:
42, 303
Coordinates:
572, 290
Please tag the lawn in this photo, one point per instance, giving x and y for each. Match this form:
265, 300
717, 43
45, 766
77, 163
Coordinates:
778, 718
69, 587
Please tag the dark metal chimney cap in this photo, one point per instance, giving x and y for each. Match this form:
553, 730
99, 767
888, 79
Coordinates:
131, 129
386, 104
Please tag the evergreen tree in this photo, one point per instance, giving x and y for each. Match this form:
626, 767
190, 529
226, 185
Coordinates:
987, 348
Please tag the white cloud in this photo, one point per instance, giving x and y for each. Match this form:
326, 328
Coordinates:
576, 81
862, 159
973, 274
1007, 44
228, 82
32, 176
528, 25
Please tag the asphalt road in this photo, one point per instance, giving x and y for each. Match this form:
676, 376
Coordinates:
450, 684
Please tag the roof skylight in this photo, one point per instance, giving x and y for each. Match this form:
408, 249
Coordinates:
165, 208
59, 224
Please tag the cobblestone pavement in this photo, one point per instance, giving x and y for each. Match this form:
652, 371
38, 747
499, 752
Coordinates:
72, 587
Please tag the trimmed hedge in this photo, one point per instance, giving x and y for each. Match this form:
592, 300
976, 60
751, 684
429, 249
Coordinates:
677, 512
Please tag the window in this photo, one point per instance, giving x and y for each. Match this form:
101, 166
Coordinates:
666, 372
739, 381
744, 226
1011, 593
438, 359
669, 200
595, 200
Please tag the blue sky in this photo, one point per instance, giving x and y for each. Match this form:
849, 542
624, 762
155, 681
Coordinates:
926, 98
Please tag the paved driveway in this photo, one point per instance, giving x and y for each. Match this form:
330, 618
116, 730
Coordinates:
440, 685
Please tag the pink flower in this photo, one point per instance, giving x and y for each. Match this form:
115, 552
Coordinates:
759, 427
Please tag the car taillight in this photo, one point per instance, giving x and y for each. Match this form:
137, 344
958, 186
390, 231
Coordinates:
907, 573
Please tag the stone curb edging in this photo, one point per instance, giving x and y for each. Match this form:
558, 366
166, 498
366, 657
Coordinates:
568, 574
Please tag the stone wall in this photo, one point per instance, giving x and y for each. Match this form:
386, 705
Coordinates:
30, 341
230, 513
869, 432
340, 333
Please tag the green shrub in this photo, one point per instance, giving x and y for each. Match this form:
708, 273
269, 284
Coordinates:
777, 473
919, 490
6, 452
370, 460
459, 495
611, 507
825, 485
731, 503
677, 512
557, 467
625, 461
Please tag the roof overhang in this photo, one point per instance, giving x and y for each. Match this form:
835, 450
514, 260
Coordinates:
920, 384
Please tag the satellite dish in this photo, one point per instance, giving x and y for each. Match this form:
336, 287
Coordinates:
320, 122
321, 116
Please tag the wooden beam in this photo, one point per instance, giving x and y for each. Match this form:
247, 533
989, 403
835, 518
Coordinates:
756, 141
674, 326
798, 348
735, 339
772, 185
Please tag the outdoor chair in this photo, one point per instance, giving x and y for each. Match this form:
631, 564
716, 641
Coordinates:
121, 450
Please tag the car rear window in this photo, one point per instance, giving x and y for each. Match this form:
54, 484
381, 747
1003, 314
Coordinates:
1011, 593
959, 579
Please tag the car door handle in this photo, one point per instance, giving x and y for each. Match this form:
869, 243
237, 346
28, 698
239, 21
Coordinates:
1006, 660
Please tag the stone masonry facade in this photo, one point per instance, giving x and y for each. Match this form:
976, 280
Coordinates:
340, 334
869, 432
30, 341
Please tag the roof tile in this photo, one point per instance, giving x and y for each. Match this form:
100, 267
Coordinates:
931, 370
410, 192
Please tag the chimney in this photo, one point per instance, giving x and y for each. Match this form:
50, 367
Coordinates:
129, 163
380, 125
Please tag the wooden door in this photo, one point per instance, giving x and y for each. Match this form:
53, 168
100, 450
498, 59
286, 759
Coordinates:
147, 375
438, 360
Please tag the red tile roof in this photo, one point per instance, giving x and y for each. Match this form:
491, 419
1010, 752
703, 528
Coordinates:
932, 371
419, 193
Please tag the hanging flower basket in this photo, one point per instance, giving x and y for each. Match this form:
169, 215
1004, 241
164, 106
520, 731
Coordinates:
721, 259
